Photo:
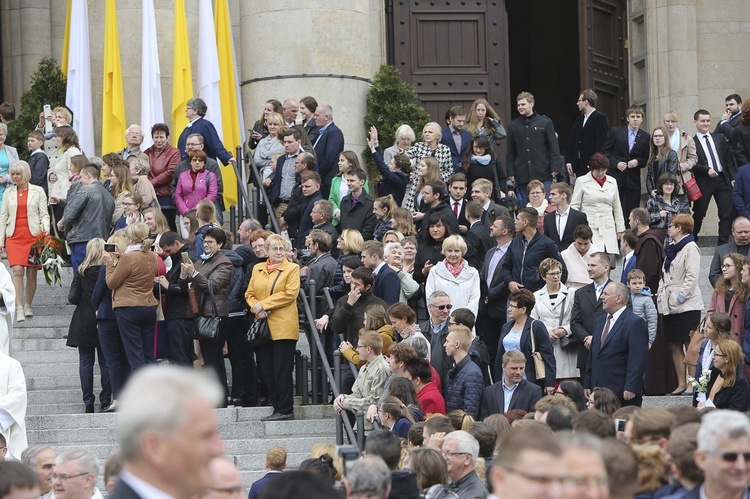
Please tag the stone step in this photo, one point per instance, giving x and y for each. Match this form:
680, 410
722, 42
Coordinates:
58, 382
667, 401
51, 308
40, 346
30, 357
45, 321
29, 331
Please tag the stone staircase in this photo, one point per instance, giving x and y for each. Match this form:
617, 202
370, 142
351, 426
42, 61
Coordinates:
55, 414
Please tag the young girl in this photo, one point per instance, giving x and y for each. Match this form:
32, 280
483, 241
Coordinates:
396, 416
396, 175
348, 266
480, 162
132, 213
347, 161
383, 209
428, 170
82, 332
483, 120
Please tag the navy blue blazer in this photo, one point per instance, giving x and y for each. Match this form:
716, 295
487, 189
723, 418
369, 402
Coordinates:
543, 345
620, 363
387, 286
101, 297
329, 145
456, 155
305, 222
212, 145
274, 190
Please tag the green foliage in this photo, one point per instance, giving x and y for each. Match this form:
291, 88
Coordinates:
48, 86
391, 103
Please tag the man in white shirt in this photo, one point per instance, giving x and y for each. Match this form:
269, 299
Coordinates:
561, 223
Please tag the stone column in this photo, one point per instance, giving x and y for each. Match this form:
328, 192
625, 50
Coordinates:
323, 49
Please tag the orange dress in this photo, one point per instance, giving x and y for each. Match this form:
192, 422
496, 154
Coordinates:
19, 244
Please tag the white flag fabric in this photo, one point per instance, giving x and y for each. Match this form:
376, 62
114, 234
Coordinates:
78, 95
208, 65
152, 109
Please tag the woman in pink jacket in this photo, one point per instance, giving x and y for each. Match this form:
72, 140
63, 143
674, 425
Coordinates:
195, 184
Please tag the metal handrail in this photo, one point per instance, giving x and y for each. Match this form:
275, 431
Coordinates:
242, 181
329, 301
263, 194
335, 386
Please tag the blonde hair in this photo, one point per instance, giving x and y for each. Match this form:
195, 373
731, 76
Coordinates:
319, 450
161, 221
118, 239
94, 252
138, 233
463, 333
23, 167
352, 241
396, 409
455, 242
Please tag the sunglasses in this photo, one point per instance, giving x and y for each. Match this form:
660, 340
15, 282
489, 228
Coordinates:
730, 457
442, 307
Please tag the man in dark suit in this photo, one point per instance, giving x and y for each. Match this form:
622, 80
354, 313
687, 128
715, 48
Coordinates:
458, 201
513, 391
356, 207
387, 286
321, 216
587, 305
481, 190
731, 117
739, 243
564, 219
493, 302
188, 422
455, 137
619, 348
478, 237
589, 133
288, 166
627, 149
715, 173
328, 146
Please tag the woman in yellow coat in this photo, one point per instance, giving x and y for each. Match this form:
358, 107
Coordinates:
272, 294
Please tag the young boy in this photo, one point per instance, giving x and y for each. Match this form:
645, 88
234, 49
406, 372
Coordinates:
38, 161
641, 302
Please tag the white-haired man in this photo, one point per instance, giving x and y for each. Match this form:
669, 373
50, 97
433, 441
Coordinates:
460, 451
169, 433
328, 146
76, 473
134, 139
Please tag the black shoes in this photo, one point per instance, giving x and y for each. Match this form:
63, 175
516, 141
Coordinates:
89, 408
277, 416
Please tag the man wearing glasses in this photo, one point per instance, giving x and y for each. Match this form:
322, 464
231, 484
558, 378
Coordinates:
460, 451
436, 331
76, 472
723, 455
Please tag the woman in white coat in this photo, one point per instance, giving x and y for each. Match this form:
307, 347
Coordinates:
596, 195
455, 276
554, 305
59, 169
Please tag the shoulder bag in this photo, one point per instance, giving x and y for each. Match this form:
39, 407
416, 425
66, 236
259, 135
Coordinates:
258, 331
207, 328
694, 348
539, 366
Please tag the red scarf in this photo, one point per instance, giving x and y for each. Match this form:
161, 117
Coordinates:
270, 267
194, 176
600, 181
457, 269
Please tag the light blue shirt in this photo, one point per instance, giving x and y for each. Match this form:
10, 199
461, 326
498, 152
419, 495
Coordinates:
508, 394
439, 327
512, 341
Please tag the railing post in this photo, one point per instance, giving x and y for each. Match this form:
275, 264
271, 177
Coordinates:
233, 217
314, 359
360, 429
305, 393
298, 371
256, 202
337, 367
339, 428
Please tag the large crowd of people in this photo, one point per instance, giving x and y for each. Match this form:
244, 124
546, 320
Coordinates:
473, 298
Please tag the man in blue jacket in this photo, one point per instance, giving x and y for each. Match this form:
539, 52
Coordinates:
328, 146
464, 385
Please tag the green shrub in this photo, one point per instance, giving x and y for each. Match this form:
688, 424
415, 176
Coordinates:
48, 86
391, 103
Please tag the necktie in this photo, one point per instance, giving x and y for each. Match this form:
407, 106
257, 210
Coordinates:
484, 216
606, 330
631, 140
714, 164
455, 208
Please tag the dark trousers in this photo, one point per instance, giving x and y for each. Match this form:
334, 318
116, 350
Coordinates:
630, 199
213, 355
114, 353
180, 336
86, 358
721, 191
242, 359
77, 254
488, 329
636, 401
137, 331
276, 361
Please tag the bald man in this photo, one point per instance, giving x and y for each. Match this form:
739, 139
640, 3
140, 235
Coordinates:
226, 481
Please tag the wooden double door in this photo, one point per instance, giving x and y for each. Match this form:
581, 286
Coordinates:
455, 51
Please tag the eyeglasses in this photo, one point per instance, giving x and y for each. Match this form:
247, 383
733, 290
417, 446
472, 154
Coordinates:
442, 307
719, 355
555, 273
65, 478
192, 144
658, 136
448, 453
277, 250
361, 346
129, 204
726, 265
730, 457
535, 193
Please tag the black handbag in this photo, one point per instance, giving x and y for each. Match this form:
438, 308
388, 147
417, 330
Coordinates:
258, 332
569, 342
207, 328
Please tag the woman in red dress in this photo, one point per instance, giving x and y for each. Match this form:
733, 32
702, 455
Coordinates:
23, 216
